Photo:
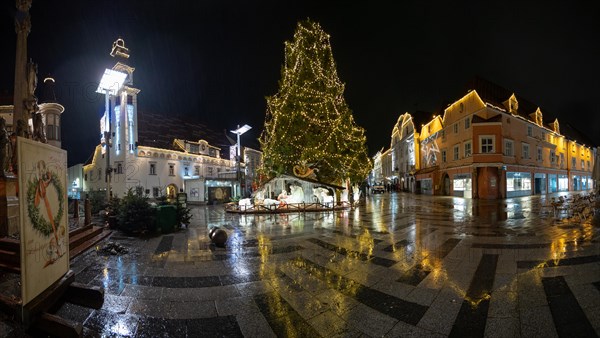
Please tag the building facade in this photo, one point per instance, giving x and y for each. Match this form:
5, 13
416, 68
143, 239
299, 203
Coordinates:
492, 144
134, 157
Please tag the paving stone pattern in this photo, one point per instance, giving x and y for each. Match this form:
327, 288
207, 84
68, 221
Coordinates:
399, 265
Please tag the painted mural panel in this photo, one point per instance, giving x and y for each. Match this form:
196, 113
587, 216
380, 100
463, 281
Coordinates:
42, 204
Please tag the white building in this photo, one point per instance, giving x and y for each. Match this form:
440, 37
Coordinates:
151, 155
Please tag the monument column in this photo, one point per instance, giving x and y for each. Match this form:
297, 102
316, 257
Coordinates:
22, 28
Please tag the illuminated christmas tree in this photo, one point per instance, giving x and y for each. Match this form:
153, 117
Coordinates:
308, 123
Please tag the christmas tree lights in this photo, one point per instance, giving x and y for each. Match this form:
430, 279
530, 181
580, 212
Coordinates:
308, 122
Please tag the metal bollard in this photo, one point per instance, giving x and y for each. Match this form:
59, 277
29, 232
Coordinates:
76, 209
88, 212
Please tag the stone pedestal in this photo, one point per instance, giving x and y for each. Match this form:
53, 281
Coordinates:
9, 206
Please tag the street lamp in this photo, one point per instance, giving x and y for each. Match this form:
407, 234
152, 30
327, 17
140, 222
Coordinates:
239, 131
110, 84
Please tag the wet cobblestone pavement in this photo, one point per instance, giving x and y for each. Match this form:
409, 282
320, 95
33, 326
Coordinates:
399, 265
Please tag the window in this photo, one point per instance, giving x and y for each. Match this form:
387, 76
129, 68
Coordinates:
573, 163
209, 171
155, 192
197, 170
562, 159
443, 135
171, 170
467, 123
185, 171
529, 131
543, 136
152, 168
518, 181
456, 128
456, 155
52, 127
119, 168
139, 190
468, 149
589, 167
552, 157
444, 156
508, 148
85, 176
539, 154
486, 144
582, 165
525, 151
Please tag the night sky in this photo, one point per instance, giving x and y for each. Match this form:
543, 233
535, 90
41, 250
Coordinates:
215, 61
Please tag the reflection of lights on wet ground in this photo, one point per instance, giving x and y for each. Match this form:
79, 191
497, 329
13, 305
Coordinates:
365, 243
121, 328
558, 249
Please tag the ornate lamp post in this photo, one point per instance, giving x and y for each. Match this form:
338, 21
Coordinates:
110, 84
239, 131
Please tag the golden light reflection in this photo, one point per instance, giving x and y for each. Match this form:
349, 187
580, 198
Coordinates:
365, 242
264, 248
558, 249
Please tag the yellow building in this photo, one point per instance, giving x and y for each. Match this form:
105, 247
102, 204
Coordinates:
492, 143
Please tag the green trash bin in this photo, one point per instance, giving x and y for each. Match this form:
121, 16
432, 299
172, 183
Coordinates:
166, 218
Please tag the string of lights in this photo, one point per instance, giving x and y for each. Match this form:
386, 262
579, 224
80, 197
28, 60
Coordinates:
308, 120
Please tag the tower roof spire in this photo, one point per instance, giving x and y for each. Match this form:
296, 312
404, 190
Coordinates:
119, 49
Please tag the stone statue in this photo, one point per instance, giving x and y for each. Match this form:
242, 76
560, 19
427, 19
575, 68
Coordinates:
39, 133
31, 101
32, 69
4, 141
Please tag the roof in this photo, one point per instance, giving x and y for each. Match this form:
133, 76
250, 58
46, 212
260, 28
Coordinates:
159, 131
495, 94
574, 134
